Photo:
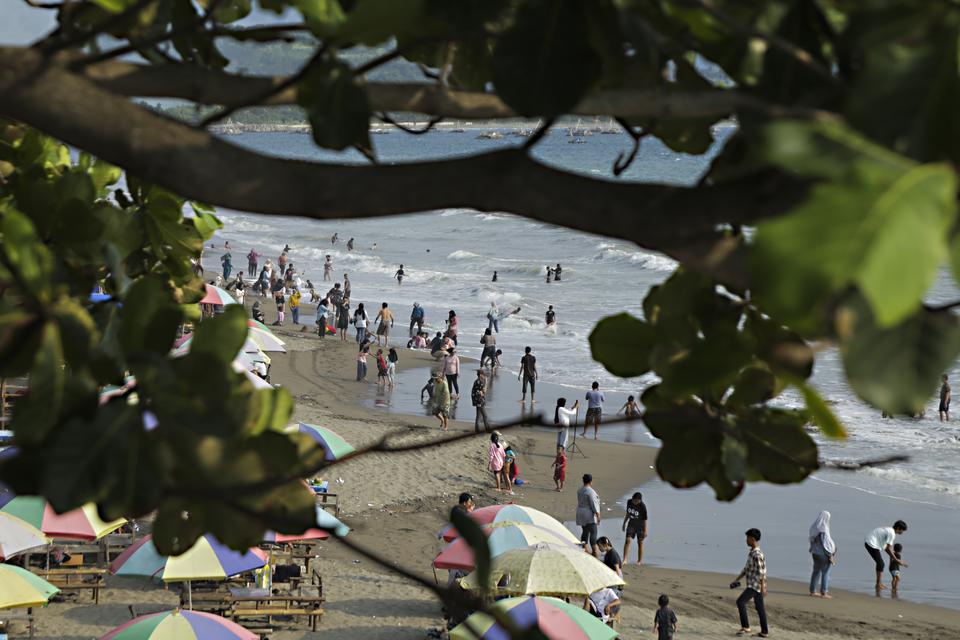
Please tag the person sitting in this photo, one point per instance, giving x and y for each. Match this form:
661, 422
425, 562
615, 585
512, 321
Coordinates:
436, 343
257, 312
604, 604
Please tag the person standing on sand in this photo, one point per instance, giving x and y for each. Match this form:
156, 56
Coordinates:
343, 318
335, 296
561, 418
478, 396
440, 400
281, 302
635, 526
594, 409
323, 310
416, 318
253, 260
559, 469
227, 261
385, 322
453, 326
496, 455
362, 364
588, 514
945, 396
360, 323
528, 374
392, 360
451, 369
824, 551
295, 306
755, 574
880, 541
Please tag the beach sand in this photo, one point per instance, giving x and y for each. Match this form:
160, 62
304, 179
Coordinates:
396, 503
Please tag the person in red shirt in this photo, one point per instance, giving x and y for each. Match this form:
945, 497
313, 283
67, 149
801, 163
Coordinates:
560, 468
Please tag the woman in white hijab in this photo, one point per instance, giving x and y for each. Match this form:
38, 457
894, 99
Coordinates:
824, 552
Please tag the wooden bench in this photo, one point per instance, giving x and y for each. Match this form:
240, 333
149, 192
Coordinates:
329, 502
271, 606
76, 580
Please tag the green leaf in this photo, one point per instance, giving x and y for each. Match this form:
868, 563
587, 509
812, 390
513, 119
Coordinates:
114, 6
336, 106
323, 17
223, 335
622, 344
784, 351
374, 22
38, 411
544, 63
897, 368
733, 453
707, 365
754, 385
149, 317
77, 328
31, 259
691, 443
780, 450
820, 412
103, 175
473, 535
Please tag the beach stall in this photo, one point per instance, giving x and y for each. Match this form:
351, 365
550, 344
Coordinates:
512, 513
556, 619
182, 625
501, 537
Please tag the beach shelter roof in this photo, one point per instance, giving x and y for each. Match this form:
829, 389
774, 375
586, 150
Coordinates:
207, 559
556, 619
546, 569
507, 513
80, 524
217, 296
334, 445
18, 535
180, 625
501, 537
20, 588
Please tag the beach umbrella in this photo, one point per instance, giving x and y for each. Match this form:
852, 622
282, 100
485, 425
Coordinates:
207, 559
17, 536
217, 296
180, 625
80, 524
263, 341
507, 513
20, 588
501, 537
556, 619
546, 569
334, 445
325, 519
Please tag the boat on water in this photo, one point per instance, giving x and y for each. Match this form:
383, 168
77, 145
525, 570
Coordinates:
490, 135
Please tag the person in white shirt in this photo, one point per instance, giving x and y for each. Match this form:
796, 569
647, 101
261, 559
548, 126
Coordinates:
606, 601
881, 540
561, 418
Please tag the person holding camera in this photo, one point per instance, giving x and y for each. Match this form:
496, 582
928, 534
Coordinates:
755, 575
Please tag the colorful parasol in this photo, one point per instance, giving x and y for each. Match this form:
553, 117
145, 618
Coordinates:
334, 445
217, 296
207, 559
180, 625
501, 537
20, 588
18, 535
556, 619
546, 569
324, 519
508, 513
79, 524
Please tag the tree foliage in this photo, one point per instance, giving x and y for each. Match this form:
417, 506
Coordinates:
842, 168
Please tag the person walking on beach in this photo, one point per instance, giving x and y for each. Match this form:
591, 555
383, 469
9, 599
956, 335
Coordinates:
561, 418
489, 342
588, 513
594, 409
824, 551
350, 244
327, 268
493, 317
478, 396
227, 261
416, 319
559, 469
451, 369
528, 374
453, 326
664, 620
361, 322
945, 396
281, 301
362, 364
323, 311
295, 305
440, 400
253, 261
385, 322
755, 575
399, 275
496, 456
635, 526
880, 541
392, 360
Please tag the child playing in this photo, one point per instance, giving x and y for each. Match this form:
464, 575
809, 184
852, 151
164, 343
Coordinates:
381, 368
895, 567
630, 408
560, 468
664, 620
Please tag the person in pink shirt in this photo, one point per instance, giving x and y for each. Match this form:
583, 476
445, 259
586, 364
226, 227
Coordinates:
451, 369
496, 456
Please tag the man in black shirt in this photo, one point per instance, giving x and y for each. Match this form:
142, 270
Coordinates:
528, 374
610, 556
635, 525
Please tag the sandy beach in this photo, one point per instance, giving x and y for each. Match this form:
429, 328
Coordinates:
396, 503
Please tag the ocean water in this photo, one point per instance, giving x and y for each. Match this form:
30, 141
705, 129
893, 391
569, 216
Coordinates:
449, 258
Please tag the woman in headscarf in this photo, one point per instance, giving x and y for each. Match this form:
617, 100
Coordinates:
824, 552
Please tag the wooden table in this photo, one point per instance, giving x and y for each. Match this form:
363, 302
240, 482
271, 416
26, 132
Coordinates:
268, 606
80, 579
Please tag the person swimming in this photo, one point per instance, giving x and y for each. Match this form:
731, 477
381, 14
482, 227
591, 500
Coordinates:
550, 316
350, 244
556, 273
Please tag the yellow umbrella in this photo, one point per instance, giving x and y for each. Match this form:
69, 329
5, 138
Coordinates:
546, 570
20, 588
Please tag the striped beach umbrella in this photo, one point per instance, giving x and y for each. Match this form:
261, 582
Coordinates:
207, 559
334, 445
20, 588
217, 296
180, 625
17, 536
546, 570
501, 537
325, 519
80, 524
508, 513
556, 619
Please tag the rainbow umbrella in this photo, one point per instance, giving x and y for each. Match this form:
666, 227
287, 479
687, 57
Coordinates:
180, 625
80, 524
335, 446
501, 537
325, 519
20, 588
556, 619
17, 536
508, 513
207, 559
217, 296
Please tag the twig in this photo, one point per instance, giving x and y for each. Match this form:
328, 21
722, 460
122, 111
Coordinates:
942, 307
44, 5
622, 163
434, 121
538, 135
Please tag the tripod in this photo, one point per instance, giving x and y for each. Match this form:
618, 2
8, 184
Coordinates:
573, 447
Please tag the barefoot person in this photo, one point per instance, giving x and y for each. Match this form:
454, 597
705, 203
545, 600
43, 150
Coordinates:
588, 514
895, 563
755, 574
880, 541
824, 551
594, 409
478, 395
385, 323
559, 469
945, 396
496, 456
635, 526
528, 373
440, 400
561, 418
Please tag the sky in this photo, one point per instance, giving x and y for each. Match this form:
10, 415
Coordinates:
22, 24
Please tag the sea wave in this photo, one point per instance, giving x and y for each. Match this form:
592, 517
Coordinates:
652, 261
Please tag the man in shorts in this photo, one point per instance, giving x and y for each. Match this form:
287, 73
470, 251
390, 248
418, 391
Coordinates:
528, 373
588, 513
594, 409
635, 525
